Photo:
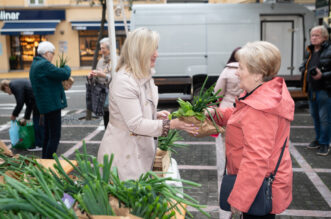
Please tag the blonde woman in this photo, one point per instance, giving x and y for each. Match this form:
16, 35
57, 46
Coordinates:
256, 130
133, 99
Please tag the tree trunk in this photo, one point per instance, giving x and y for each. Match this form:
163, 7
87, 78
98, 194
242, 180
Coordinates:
96, 51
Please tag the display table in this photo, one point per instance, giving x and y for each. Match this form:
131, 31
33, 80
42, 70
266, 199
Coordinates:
49, 163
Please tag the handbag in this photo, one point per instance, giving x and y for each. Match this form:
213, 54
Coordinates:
262, 204
96, 94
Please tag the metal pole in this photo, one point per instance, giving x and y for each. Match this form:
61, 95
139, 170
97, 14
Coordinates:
112, 35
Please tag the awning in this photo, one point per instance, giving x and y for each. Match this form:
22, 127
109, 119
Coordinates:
29, 27
95, 25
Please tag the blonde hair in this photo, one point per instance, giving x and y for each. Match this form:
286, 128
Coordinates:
4, 84
261, 57
323, 31
137, 51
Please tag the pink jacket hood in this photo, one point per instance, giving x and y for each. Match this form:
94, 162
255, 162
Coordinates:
277, 99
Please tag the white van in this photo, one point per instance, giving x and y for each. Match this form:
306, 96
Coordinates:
197, 39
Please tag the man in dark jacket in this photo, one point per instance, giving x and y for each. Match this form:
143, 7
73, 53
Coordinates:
46, 80
22, 90
316, 77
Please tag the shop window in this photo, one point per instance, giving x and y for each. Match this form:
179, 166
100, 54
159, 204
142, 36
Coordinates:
23, 49
36, 2
87, 44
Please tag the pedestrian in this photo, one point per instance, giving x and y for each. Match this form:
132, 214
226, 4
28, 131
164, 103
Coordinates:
46, 80
228, 82
103, 74
133, 99
316, 77
22, 91
257, 128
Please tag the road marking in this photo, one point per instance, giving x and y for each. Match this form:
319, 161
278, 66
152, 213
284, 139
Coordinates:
196, 167
307, 213
80, 144
5, 126
312, 175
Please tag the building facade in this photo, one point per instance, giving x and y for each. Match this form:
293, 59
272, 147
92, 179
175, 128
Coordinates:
71, 25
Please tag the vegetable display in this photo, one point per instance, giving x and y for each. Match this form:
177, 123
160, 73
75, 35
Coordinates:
37, 192
167, 143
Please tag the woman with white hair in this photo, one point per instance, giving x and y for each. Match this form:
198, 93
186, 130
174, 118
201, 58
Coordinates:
256, 130
102, 73
133, 99
46, 80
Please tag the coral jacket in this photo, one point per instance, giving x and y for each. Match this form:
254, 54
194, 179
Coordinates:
255, 133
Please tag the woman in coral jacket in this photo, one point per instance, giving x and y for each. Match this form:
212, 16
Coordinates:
256, 130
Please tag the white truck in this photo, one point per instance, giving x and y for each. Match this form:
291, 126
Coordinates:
196, 40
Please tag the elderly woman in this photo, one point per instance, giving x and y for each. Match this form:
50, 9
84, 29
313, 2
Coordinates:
102, 73
46, 80
256, 130
133, 99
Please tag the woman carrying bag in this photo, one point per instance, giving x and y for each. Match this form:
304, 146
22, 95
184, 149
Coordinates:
256, 130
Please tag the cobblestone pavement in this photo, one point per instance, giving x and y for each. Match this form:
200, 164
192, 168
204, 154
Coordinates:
198, 162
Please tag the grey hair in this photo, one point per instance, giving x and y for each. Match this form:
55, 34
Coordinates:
322, 29
105, 41
44, 47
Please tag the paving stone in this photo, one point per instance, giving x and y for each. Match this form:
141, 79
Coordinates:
302, 120
4, 119
314, 160
302, 135
198, 215
204, 155
188, 137
76, 119
4, 134
326, 178
99, 136
305, 195
207, 194
75, 133
294, 163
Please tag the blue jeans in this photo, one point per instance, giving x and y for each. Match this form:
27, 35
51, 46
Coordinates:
52, 127
320, 110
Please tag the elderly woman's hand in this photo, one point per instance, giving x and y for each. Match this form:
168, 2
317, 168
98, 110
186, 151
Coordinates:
97, 73
162, 114
189, 128
211, 111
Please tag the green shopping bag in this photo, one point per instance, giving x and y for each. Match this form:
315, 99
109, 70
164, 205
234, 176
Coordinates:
26, 136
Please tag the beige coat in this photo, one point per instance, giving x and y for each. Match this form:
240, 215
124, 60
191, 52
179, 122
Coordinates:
229, 83
129, 134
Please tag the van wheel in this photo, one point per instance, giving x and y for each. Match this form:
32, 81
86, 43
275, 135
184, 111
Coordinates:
197, 90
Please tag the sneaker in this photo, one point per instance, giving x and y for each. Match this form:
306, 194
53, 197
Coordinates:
324, 150
37, 148
313, 145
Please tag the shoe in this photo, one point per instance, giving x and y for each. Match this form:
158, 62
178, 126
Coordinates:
37, 148
324, 150
313, 145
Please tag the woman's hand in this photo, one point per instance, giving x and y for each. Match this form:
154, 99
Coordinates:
97, 73
318, 75
189, 128
162, 114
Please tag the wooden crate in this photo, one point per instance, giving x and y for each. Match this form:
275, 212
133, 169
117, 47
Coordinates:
162, 161
49, 163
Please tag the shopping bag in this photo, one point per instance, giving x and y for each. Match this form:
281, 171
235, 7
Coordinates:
26, 136
13, 132
206, 128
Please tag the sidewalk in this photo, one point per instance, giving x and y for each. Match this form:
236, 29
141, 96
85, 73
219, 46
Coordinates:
25, 74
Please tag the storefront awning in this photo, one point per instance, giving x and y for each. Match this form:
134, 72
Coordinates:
95, 25
29, 27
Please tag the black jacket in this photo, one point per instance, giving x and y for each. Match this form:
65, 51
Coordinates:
324, 65
22, 90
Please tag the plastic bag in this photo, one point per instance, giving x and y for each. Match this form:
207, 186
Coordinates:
26, 136
13, 132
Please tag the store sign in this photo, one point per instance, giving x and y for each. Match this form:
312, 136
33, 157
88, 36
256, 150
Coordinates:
16, 15
322, 8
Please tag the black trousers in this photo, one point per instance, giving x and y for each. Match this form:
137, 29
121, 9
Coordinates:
52, 133
105, 118
268, 216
